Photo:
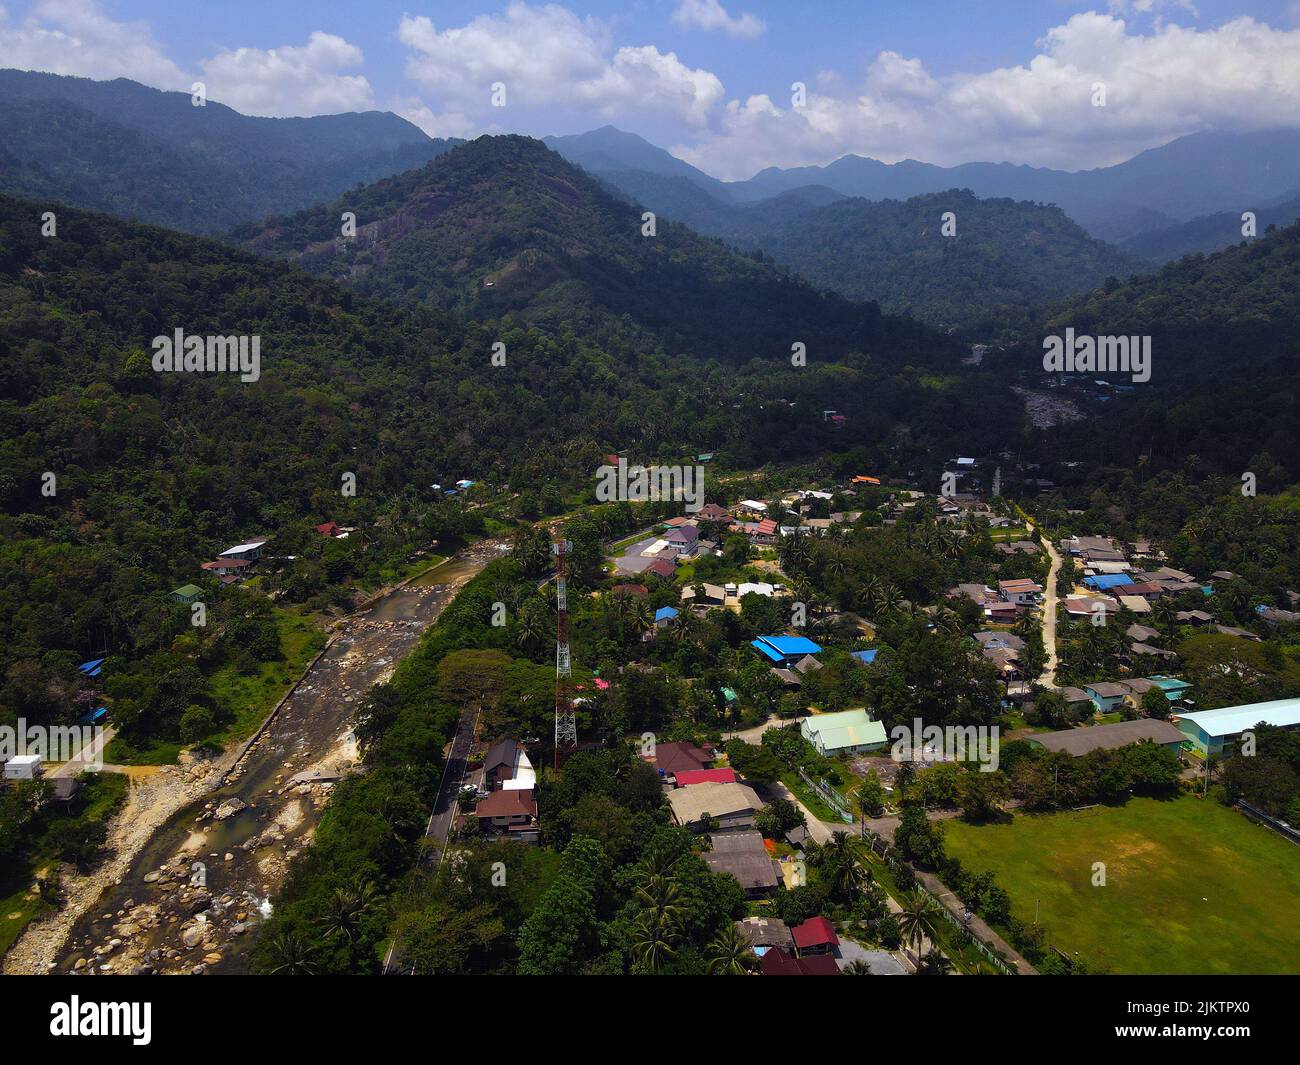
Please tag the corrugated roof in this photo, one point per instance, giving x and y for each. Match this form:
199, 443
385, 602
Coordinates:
1231, 720
848, 728
1079, 741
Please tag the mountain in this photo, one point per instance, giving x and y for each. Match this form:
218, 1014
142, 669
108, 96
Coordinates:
1224, 388
1191, 176
1004, 254
609, 149
1209, 233
152, 156
503, 225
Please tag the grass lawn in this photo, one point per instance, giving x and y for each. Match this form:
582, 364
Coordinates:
249, 697
1191, 886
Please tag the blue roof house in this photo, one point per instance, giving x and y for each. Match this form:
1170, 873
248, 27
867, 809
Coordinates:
782, 649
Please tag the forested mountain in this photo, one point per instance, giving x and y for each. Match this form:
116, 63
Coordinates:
1209, 233
1224, 393
155, 472
140, 153
504, 225
610, 149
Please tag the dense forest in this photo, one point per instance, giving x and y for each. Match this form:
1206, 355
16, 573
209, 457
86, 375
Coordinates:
504, 225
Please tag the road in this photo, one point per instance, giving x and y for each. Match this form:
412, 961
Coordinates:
94, 754
1047, 678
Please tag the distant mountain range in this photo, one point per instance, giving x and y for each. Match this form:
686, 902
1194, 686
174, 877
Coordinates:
1190, 177
153, 156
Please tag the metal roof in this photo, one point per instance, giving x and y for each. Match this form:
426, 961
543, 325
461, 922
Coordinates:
1231, 720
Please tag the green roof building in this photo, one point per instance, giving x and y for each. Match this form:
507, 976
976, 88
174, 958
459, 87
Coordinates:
847, 732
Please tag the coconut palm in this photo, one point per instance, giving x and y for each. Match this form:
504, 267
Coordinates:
934, 964
857, 968
289, 955
345, 910
918, 921
729, 953
654, 940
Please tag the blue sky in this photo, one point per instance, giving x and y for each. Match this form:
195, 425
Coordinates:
942, 80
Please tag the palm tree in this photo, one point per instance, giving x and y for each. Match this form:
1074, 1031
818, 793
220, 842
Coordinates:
729, 953
934, 964
345, 909
857, 968
653, 940
918, 921
640, 618
887, 600
531, 625
289, 955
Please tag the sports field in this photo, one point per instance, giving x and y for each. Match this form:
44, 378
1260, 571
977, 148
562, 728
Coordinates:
1191, 886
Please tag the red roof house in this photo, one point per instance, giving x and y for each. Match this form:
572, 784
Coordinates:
329, 528
661, 567
776, 962
815, 936
686, 777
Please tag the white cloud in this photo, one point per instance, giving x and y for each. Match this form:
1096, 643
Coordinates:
548, 57
291, 80
711, 15
1159, 85
76, 37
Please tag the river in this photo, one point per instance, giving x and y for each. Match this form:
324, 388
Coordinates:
194, 895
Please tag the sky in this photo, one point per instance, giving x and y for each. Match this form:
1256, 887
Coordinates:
1042, 82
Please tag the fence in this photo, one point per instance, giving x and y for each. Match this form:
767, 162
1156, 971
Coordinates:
832, 797
1280, 827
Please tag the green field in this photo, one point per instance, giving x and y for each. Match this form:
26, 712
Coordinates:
1191, 886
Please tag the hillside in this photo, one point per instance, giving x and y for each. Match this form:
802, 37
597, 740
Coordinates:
503, 226
1207, 234
1006, 254
152, 156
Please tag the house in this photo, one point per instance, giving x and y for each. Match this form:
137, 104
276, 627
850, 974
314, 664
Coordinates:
1080, 741
1175, 688
1106, 695
1075, 698
507, 767
864, 479
993, 640
187, 593
670, 758
664, 616
509, 813
250, 551
755, 588
712, 512
806, 665
787, 677
330, 530
866, 657
1140, 649
1021, 547
1142, 633
684, 778
782, 650
1001, 610
742, 855
1243, 634
1218, 732
1104, 582
1022, 591
764, 933
1194, 617
704, 595
777, 962
228, 567
815, 936
684, 536
845, 732
662, 568
750, 508
1135, 603
23, 767
731, 807
1088, 608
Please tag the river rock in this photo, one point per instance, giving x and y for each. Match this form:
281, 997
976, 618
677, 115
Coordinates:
193, 936
229, 808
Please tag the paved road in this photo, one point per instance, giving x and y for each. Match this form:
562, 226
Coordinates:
1048, 677
92, 754
453, 777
